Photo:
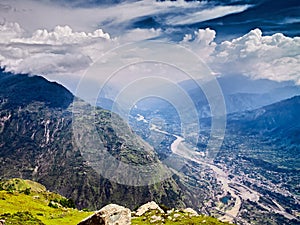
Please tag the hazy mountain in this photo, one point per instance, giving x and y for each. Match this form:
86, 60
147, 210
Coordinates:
280, 119
242, 93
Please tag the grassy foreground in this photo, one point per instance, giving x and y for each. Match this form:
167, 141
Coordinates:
24, 202
27, 202
176, 217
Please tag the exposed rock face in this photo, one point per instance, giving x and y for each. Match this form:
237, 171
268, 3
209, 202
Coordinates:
111, 214
148, 206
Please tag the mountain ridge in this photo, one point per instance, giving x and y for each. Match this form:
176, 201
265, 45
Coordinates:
37, 143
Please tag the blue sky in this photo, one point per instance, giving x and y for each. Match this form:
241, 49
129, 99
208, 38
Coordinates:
229, 18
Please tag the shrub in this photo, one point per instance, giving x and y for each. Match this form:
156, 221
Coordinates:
68, 203
52, 205
27, 191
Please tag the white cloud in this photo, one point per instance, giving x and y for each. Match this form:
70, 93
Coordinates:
61, 51
46, 46
201, 42
139, 34
62, 35
33, 15
10, 31
206, 14
115, 19
275, 57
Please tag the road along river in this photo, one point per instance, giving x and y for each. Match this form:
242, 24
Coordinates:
242, 193
177, 147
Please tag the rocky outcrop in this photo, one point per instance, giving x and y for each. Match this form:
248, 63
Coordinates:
148, 206
111, 214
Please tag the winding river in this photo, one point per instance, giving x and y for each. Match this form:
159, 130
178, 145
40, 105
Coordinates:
179, 148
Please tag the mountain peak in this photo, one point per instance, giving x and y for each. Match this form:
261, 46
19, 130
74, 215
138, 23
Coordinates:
21, 89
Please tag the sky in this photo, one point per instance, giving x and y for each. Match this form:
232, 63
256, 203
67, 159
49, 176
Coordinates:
61, 40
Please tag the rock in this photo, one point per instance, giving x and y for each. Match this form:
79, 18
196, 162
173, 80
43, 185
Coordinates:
170, 211
155, 219
148, 206
2, 222
176, 215
111, 214
191, 212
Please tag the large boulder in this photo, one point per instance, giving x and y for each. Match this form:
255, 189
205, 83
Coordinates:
148, 206
111, 214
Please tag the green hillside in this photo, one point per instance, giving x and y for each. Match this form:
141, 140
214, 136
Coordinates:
25, 202
28, 202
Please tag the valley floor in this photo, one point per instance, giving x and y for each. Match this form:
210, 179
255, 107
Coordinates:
233, 187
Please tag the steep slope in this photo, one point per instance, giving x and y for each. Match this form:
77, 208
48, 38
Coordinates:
37, 143
278, 120
270, 135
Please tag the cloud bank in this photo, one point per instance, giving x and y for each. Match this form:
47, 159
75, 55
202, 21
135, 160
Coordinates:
50, 52
66, 52
114, 18
275, 57
206, 14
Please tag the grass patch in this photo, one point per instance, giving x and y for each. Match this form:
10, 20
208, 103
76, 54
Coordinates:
175, 218
17, 204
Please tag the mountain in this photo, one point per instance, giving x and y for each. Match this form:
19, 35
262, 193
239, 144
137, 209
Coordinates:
280, 120
46, 136
272, 131
37, 143
242, 93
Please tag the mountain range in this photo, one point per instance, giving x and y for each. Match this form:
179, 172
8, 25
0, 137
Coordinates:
260, 152
37, 143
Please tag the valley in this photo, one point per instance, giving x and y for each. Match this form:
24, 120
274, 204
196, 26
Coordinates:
247, 187
233, 186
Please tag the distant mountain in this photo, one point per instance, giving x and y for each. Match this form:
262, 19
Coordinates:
269, 138
280, 119
37, 143
242, 93
261, 150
